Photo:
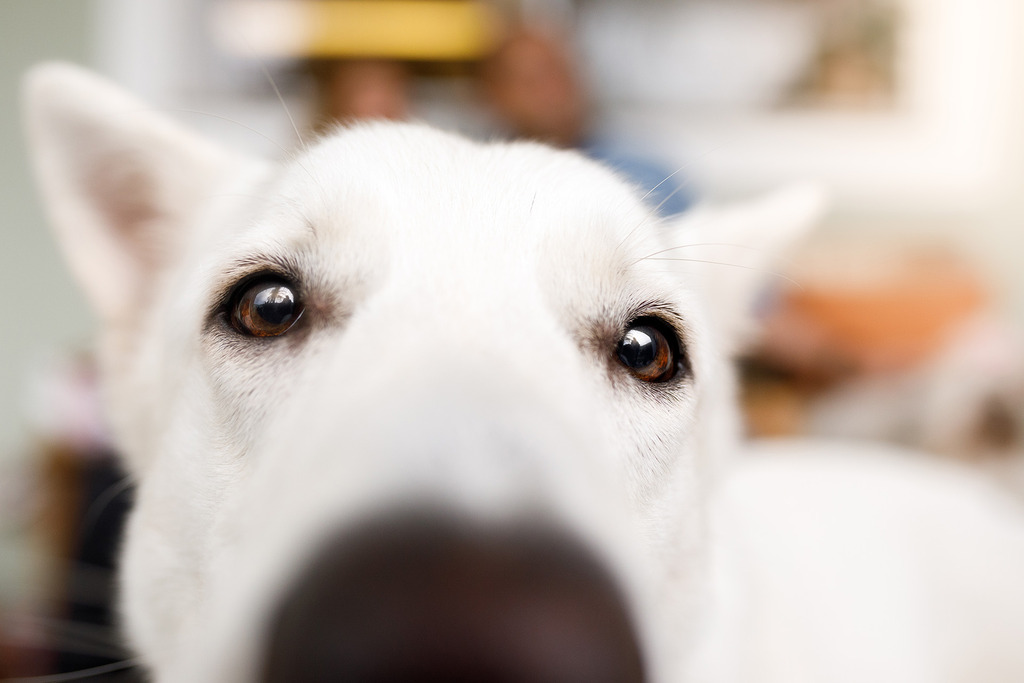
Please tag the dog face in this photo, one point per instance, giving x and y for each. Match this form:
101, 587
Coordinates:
396, 319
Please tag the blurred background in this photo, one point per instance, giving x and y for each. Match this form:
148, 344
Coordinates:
905, 322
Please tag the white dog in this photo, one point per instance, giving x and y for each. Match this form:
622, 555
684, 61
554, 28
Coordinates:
409, 407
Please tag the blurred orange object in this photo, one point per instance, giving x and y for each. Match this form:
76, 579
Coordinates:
876, 308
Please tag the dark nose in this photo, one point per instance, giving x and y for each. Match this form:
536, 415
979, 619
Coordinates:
426, 597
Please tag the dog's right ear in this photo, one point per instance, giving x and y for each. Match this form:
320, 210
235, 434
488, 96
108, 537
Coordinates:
121, 183
733, 251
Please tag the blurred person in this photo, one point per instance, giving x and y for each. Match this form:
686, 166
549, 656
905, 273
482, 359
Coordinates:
534, 88
359, 89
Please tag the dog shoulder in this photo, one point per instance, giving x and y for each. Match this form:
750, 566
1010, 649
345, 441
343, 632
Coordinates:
893, 542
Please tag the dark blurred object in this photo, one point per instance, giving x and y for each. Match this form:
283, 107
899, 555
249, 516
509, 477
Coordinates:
85, 503
90, 588
535, 89
84, 498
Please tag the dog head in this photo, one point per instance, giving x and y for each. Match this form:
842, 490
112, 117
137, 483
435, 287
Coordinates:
459, 404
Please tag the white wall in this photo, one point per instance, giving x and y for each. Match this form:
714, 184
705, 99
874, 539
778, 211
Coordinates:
946, 164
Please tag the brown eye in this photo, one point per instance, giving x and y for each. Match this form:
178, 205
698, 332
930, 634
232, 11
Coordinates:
650, 350
267, 308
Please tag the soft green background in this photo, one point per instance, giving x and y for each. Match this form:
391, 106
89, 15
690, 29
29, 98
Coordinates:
39, 300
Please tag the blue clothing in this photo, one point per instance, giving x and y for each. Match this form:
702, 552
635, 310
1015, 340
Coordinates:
667, 192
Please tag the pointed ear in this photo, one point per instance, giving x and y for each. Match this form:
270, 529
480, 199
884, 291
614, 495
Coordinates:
121, 183
734, 252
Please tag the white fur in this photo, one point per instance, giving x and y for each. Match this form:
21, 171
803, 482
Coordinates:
451, 356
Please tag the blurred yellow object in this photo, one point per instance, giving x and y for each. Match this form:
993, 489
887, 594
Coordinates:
394, 29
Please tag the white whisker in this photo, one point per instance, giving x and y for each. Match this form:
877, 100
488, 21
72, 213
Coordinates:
280, 98
102, 501
82, 674
694, 245
655, 210
771, 273
667, 178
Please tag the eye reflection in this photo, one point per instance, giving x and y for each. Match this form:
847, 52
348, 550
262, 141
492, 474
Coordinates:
274, 305
646, 351
266, 309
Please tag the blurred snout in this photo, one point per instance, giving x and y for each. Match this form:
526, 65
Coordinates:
427, 596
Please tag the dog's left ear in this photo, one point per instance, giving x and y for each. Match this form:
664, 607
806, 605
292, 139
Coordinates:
733, 252
121, 183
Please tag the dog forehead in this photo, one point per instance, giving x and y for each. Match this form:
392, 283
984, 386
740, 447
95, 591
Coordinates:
415, 186
430, 218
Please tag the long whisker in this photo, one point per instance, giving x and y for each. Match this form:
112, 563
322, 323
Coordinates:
280, 98
83, 632
254, 55
74, 637
101, 502
286, 152
695, 245
78, 675
673, 193
772, 273
68, 643
669, 177
685, 184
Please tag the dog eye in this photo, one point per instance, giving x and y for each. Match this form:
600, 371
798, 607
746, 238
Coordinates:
650, 350
267, 308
